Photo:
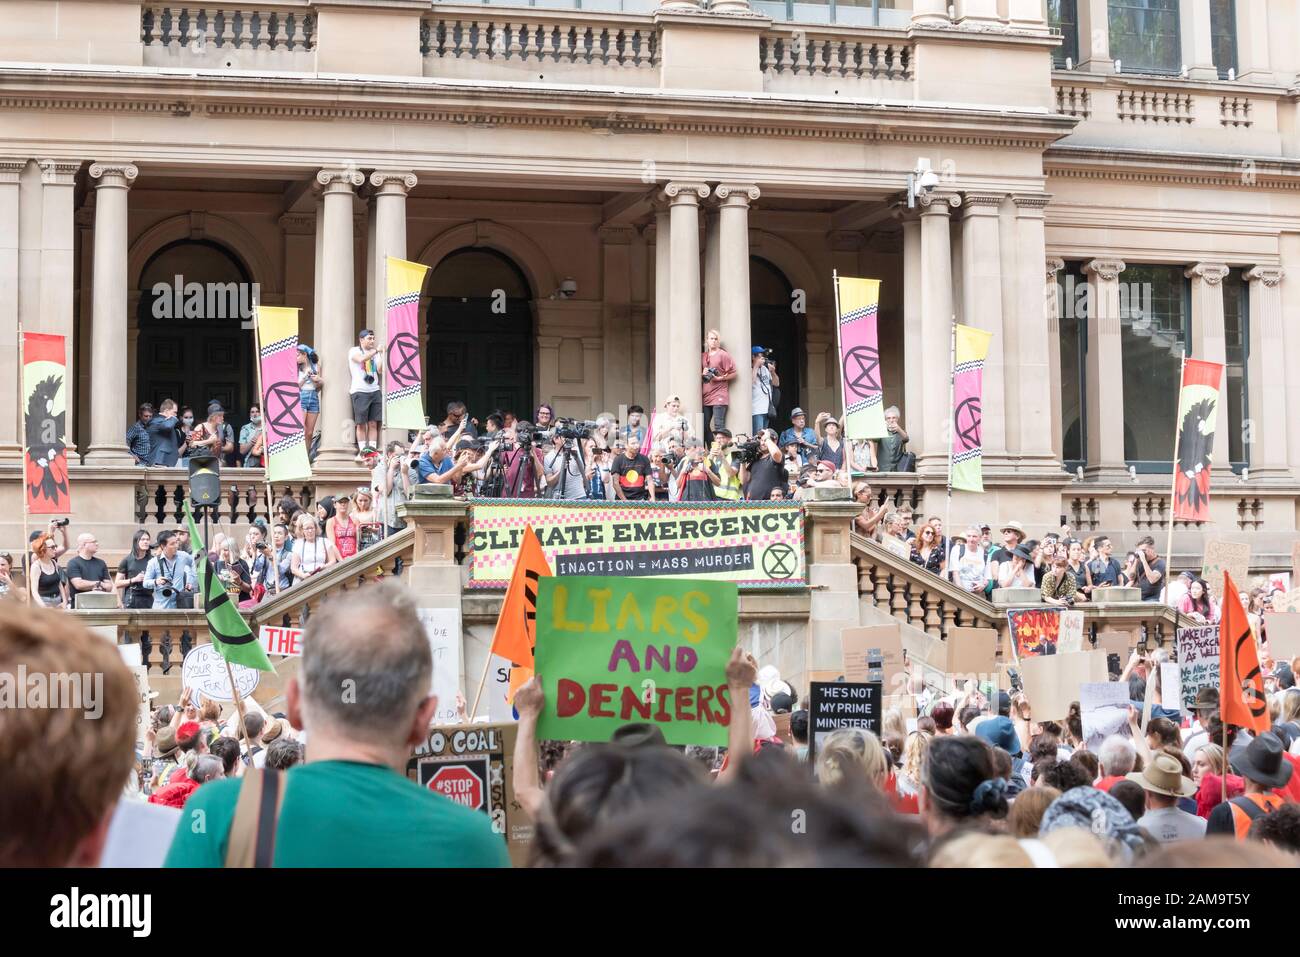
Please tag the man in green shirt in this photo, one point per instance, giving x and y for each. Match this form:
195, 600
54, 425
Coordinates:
362, 695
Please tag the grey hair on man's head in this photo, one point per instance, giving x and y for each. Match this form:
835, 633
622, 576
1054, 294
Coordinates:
1117, 755
366, 665
893, 410
205, 767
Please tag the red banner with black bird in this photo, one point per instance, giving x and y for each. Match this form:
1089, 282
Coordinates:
45, 460
1198, 410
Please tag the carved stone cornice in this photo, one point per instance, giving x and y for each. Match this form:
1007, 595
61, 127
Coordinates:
392, 181
11, 171
1270, 276
1212, 273
1107, 270
616, 235
59, 172
977, 204
298, 224
1031, 202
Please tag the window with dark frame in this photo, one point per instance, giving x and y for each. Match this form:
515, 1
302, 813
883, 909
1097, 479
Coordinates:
1063, 16
1155, 328
1223, 36
1236, 377
1144, 36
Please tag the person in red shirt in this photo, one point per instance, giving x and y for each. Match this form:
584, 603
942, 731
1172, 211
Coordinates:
203, 767
717, 370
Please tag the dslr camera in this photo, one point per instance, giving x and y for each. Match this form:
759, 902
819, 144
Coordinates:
572, 429
710, 374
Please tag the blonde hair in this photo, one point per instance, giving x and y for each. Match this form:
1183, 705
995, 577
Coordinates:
914, 753
1028, 808
1290, 704
1213, 755
64, 764
1076, 847
893, 724
981, 850
849, 755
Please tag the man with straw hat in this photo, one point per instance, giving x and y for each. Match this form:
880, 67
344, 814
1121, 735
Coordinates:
1164, 783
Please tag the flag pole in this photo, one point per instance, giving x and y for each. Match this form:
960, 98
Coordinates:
239, 708
482, 683
1173, 483
22, 471
952, 391
839, 352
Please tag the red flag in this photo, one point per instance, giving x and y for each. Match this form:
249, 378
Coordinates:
45, 462
1198, 410
516, 631
1241, 691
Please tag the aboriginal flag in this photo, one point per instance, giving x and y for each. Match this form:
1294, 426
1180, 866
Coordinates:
1198, 409
226, 626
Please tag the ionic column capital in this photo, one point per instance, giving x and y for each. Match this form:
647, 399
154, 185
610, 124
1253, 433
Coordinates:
736, 194
685, 193
1053, 266
1107, 270
114, 175
1270, 276
937, 201
1212, 273
391, 182
339, 180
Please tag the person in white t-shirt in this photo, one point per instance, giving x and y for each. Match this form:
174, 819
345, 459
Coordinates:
365, 364
1164, 783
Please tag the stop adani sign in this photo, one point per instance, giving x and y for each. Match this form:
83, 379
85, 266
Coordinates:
612, 651
458, 783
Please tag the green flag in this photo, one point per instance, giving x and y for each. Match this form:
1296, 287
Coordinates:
226, 626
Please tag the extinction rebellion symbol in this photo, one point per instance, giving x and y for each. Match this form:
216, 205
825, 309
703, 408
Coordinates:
282, 408
862, 371
968, 419
779, 561
404, 359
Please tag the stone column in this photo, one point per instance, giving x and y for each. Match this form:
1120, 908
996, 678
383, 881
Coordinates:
930, 13
977, 12
10, 171
712, 298
1209, 342
391, 188
109, 338
318, 272
733, 287
1038, 352
1253, 42
336, 325
683, 354
981, 277
936, 328
663, 284
1094, 37
914, 365
57, 268
1194, 30
1268, 450
1052, 309
1026, 14
1104, 371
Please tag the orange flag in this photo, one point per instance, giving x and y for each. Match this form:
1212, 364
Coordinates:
1241, 692
516, 631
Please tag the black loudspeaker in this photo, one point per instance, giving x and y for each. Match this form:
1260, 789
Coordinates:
205, 479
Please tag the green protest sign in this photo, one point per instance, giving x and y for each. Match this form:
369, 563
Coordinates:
616, 650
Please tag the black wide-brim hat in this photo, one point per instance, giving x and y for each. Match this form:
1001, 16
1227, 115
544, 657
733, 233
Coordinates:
1263, 763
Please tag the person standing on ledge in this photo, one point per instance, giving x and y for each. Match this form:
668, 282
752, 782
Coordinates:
718, 370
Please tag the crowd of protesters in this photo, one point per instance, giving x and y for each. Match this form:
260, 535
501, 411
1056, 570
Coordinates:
965, 779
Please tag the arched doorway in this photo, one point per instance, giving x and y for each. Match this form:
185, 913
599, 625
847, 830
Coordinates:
480, 328
192, 344
775, 325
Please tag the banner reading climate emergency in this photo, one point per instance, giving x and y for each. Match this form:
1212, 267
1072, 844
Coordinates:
750, 543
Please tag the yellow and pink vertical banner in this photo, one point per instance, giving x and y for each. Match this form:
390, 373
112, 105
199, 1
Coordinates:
856, 306
277, 355
404, 385
966, 448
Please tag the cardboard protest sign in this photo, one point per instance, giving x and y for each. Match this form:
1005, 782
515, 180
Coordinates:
204, 671
1197, 649
616, 650
1071, 634
1287, 601
141, 675
899, 547
1171, 685
1221, 556
828, 675
841, 704
1279, 581
442, 626
1104, 710
1052, 682
281, 641
1295, 562
972, 651
750, 543
1283, 630
1034, 631
875, 653
473, 765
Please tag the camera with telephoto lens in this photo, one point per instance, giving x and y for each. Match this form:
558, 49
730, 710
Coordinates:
61, 522
167, 591
670, 459
572, 429
750, 452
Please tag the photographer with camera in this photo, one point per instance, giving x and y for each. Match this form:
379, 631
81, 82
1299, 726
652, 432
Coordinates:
763, 382
1059, 585
599, 476
391, 482
669, 424
518, 462
722, 461
696, 480
766, 470
263, 569
170, 573
719, 369
566, 476
364, 361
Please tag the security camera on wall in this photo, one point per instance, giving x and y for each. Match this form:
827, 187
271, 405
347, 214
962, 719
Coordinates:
920, 181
